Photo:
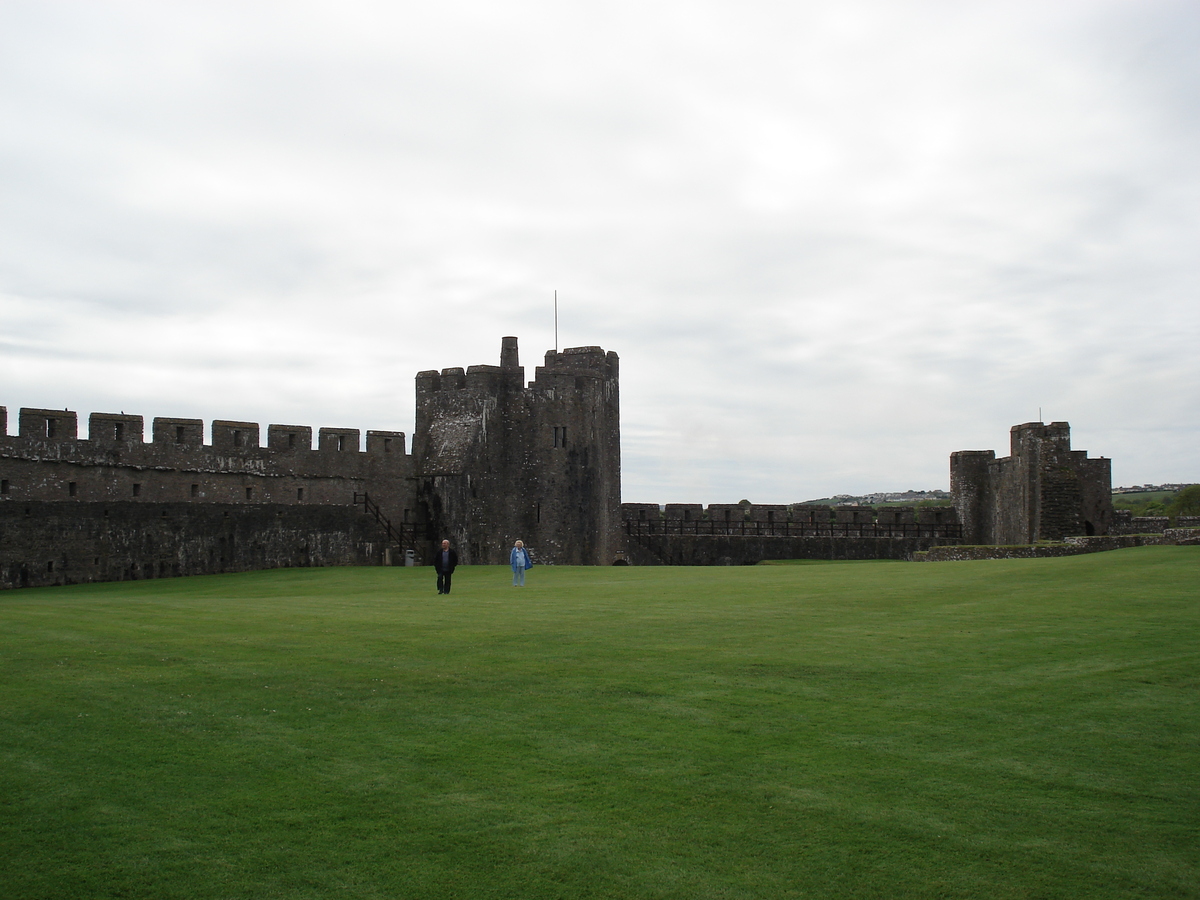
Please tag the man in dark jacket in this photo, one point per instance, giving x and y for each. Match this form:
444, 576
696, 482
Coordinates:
444, 560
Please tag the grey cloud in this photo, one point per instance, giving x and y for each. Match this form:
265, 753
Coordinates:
832, 242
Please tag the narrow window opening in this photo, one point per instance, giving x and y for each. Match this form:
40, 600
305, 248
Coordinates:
137, 490
179, 434
4, 486
51, 428
249, 493
237, 439
119, 431
341, 442
50, 566
195, 490
406, 515
387, 445
299, 495
539, 512
291, 441
560, 436
71, 489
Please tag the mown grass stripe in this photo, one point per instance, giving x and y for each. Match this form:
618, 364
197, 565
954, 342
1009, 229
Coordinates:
1009, 728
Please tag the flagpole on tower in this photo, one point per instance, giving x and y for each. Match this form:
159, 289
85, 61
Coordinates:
556, 321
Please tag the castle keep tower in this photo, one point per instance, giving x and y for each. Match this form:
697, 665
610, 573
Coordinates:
1043, 491
500, 460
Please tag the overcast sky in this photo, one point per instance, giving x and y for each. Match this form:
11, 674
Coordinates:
832, 242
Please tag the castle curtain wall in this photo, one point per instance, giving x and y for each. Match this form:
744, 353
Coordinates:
113, 506
493, 460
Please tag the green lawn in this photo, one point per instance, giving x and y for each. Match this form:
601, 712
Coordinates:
1009, 728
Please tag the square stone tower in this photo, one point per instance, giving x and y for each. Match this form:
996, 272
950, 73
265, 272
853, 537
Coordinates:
499, 460
1043, 491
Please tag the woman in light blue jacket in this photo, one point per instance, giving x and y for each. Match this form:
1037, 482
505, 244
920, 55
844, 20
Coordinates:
520, 560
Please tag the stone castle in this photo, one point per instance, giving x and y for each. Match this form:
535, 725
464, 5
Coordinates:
493, 458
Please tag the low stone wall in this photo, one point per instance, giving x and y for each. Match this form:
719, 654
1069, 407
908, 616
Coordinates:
1140, 525
51, 543
1184, 536
1072, 546
736, 550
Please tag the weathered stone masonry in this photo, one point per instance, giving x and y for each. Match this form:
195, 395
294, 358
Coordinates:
51, 542
113, 506
501, 460
494, 460
686, 534
1043, 491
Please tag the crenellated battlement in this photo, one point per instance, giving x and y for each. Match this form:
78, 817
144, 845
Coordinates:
44, 426
737, 516
572, 367
49, 461
745, 533
485, 380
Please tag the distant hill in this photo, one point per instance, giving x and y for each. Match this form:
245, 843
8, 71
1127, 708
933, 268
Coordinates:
885, 497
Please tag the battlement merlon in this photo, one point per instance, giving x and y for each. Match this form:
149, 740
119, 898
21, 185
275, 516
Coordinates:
50, 424
115, 428
380, 442
188, 432
339, 440
229, 436
289, 437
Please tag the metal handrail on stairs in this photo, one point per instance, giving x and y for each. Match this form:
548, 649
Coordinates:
397, 535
